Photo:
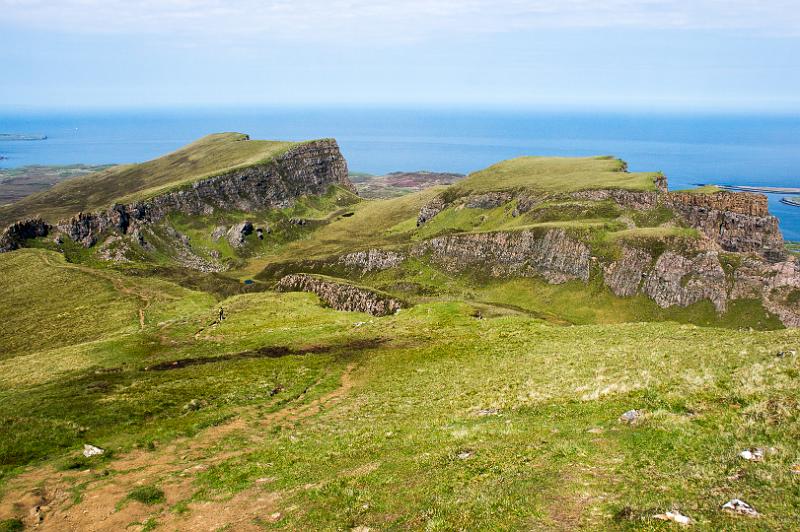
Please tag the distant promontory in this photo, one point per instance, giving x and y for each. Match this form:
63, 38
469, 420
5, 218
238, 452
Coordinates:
16, 136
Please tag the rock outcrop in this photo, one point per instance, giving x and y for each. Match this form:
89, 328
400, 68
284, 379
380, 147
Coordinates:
371, 260
730, 221
675, 279
342, 296
735, 221
16, 234
238, 233
308, 168
551, 254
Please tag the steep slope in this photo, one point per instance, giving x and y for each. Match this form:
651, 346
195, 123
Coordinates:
209, 156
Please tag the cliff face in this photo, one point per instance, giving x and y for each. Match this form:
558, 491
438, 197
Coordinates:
673, 279
730, 221
735, 221
16, 234
551, 254
740, 253
305, 169
341, 296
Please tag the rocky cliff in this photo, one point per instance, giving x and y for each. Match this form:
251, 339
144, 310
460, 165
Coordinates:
735, 221
730, 221
305, 169
739, 253
675, 279
342, 296
551, 254
16, 234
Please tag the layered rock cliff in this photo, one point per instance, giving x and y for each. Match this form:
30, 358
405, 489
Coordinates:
308, 168
551, 254
739, 253
729, 221
342, 296
735, 221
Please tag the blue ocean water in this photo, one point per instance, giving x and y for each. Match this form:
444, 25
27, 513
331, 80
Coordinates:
688, 148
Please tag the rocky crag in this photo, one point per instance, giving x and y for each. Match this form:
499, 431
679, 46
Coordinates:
308, 168
739, 254
342, 296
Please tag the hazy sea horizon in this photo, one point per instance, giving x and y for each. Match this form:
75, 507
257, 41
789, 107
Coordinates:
690, 148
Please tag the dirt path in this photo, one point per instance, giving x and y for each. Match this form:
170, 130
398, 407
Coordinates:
44, 497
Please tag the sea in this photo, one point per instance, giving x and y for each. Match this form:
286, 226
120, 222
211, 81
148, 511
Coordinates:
690, 148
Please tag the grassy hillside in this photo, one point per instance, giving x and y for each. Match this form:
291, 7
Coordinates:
489, 404
288, 415
17, 183
556, 174
206, 157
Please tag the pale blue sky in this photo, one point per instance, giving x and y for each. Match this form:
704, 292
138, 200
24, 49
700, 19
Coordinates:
653, 54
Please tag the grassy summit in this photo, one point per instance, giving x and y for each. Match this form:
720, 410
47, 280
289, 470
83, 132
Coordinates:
209, 156
557, 174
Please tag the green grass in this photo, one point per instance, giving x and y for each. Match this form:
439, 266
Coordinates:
149, 495
387, 454
556, 174
11, 525
705, 189
209, 156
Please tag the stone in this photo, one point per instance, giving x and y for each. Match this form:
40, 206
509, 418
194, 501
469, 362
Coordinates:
739, 507
238, 233
490, 200
752, 455
630, 417
675, 517
91, 450
193, 405
550, 254
488, 412
463, 455
218, 232
371, 260
16, 234
430, 210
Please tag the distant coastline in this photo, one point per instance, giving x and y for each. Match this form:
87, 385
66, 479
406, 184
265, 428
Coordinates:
794, 202
763, 190
15, 136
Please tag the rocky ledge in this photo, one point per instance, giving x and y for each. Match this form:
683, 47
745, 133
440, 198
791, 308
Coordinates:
340, 295
309, 168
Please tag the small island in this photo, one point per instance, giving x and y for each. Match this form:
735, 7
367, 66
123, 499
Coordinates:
16, 136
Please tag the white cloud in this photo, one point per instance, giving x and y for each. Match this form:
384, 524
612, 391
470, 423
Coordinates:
392, 20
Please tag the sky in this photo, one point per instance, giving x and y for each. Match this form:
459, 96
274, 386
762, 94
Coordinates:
618, 54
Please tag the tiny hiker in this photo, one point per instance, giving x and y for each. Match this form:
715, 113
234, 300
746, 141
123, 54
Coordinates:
221, 314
